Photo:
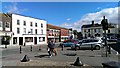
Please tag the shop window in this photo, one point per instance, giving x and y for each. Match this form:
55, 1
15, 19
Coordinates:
28, 39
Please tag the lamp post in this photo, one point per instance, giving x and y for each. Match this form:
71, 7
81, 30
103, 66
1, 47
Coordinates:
104, 23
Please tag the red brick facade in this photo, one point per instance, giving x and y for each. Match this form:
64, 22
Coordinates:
60, 35
64, 32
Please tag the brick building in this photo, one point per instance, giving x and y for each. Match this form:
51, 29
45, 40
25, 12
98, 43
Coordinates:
56, 33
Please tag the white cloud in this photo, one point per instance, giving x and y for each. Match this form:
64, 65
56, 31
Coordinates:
68, 19
98, 8
13, 8
110, 13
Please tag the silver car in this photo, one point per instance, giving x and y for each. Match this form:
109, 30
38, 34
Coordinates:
88, 44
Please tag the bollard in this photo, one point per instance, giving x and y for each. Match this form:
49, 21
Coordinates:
62, 46
5, 46
106, 50
25, 58
31, 48
20, 49
40, 48
78, 62
109, 49
91, 47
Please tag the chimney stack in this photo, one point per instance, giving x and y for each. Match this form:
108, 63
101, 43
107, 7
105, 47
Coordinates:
92, 22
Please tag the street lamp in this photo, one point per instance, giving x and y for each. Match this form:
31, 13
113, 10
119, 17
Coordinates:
104, 24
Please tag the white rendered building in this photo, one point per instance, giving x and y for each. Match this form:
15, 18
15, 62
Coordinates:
28, 30
96, 31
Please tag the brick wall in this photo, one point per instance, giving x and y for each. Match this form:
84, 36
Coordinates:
64, 32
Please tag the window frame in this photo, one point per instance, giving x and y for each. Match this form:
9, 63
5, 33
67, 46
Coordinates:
18, 22
36, 31
41, 25
18, 30
35, 24
7, 24
31, 24
41, 31
31, 31
24, 23
24, 30
0, 23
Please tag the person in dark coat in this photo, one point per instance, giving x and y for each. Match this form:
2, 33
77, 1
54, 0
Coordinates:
51, 46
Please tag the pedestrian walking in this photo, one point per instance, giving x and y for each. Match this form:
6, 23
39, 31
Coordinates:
62, 46
55, 51
51, 47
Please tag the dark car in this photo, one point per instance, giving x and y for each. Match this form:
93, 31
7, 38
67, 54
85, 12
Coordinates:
112, 41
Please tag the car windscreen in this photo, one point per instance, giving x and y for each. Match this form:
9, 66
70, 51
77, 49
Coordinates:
94, 40
89, 41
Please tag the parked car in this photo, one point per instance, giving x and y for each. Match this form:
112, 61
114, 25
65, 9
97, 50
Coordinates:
68, 43
112, 41
118, 40
88, 44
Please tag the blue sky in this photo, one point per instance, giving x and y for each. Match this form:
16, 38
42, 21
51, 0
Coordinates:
57, 13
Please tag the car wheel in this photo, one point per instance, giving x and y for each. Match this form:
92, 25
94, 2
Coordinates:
97, 47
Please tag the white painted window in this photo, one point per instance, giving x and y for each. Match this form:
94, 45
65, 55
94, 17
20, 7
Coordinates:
18, 30
41, 25
41, 31
24, 30
18, 22
31, 24
31, 30
35, 24
24, 23
88, 30
7, 24
98, 30
41, 39
95, 30
35, 31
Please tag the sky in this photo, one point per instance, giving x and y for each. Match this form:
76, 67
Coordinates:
65, 14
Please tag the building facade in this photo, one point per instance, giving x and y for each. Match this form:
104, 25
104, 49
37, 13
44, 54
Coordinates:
64, 34
53, 33
5, 28
96, 31
70, 32
26, 30
56, 33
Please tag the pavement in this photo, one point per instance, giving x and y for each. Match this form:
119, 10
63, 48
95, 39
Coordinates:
91, 59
